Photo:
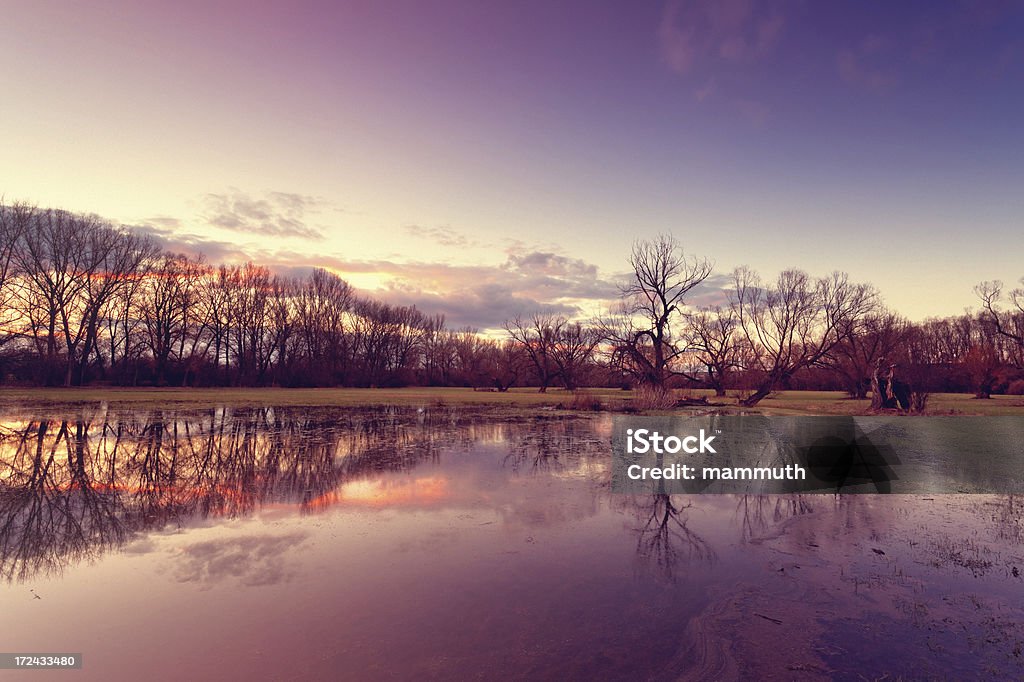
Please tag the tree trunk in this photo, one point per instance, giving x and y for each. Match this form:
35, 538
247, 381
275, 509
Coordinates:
877, 393
756, 397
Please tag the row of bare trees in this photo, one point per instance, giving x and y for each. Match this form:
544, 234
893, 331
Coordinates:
83, 300
795, 330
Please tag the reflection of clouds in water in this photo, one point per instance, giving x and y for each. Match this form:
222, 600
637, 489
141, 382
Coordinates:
141, 546
253, 560
142, 477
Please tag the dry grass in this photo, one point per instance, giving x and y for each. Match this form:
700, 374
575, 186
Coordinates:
658, 399
781, 403
345, 397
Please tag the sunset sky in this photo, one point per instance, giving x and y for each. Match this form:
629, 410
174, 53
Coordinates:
483, 159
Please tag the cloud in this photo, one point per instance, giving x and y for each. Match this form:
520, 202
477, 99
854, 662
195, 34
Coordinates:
706, 92
277, 214
443, 235
729, 31
552, 264
253, 560
164, 223
862, 65
478, 296
480, 308
483, 297
714, 291
169, 239
528, 281
752, 110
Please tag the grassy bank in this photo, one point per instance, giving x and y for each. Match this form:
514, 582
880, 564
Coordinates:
344, 397
781, 403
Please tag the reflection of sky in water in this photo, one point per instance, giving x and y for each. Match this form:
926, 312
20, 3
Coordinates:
368, 543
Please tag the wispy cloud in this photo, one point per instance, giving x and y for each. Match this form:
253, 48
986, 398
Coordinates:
717, 31
867, 64
478, 296
483, 296
441, 234
167, 233
277, 214
253, 560
757, 113
529, 280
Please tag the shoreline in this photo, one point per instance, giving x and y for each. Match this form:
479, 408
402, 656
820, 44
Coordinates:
783, 403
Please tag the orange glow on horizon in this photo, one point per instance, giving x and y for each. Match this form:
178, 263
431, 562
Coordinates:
420, 491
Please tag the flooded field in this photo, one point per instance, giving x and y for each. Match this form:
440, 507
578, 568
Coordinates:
459, 543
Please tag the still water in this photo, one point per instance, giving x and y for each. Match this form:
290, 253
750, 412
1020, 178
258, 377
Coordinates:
457, 543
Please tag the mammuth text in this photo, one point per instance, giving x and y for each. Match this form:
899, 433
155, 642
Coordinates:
790, 472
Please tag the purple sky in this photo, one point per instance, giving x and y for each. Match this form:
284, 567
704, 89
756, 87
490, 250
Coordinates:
483, 159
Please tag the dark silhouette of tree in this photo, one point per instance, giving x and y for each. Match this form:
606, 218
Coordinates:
539, 338
646, 335
664, 537
76, 488
14, 220
880, 335
717, 347
794, 322
1008, 323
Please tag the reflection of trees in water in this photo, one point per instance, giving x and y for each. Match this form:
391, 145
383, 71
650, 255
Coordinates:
757, 513
73, 489
51, 511
1009, 519
551, 445
849, 513
664, 539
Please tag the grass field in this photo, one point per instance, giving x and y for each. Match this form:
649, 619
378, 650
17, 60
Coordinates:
781, 403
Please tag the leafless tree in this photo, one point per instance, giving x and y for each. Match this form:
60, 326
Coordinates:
14, 220
716, 346
645, 336
1008, 323
323, 302
880, 335
795, 321
73, 265
167, 308
538, 337
573, 352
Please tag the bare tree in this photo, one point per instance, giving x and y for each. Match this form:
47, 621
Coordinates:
538, 337
323, 302
644, 336
880, 335
573, 352
1008, 323
14, 220
125, 254
73, 265
717, 346
796, 321
165, 307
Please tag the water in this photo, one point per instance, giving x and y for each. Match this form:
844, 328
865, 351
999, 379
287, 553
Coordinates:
386, 543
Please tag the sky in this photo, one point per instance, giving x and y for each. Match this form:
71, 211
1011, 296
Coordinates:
488, 159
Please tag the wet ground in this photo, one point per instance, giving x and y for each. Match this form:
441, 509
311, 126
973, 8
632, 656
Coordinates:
446, 543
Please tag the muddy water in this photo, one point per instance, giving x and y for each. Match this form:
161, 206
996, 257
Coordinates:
456, 544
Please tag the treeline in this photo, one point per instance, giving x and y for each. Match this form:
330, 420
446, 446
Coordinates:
798, 331
86, 301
